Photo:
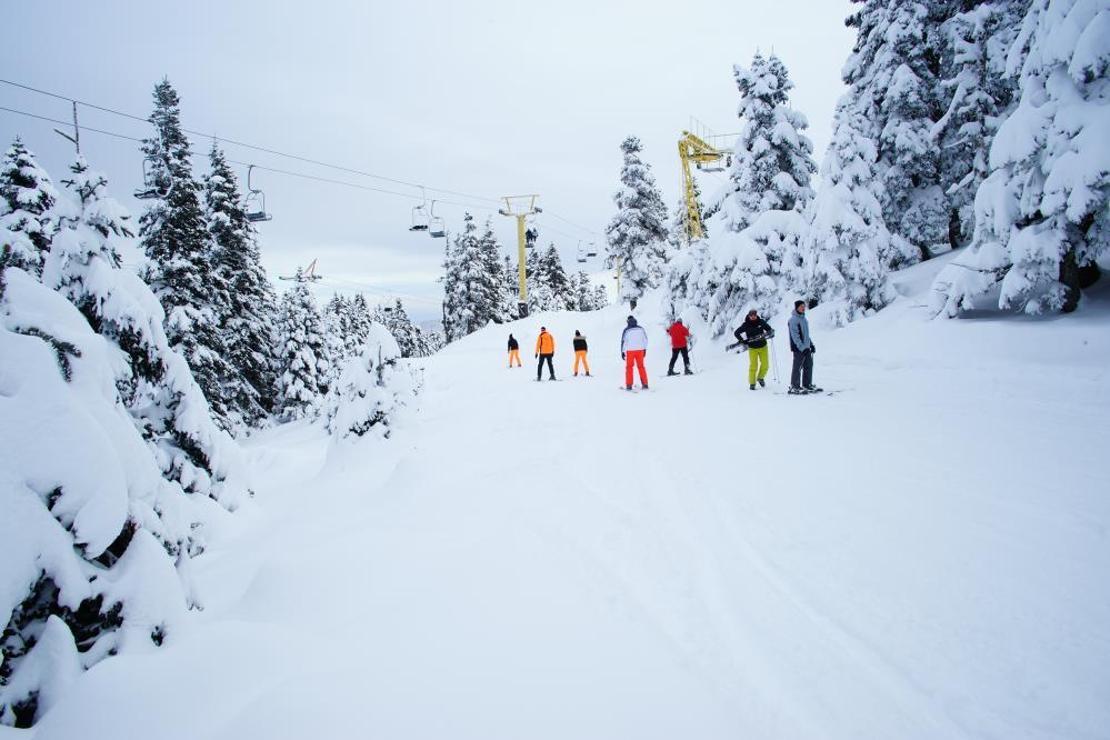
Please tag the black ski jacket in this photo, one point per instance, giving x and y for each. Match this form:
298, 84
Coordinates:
755, 333
513, 344
580, 344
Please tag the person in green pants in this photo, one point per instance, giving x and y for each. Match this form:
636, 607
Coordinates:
755, 332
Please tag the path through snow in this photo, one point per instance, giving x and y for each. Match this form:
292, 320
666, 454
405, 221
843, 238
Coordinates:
921, 556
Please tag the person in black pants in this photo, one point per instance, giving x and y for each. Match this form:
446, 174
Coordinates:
545, 351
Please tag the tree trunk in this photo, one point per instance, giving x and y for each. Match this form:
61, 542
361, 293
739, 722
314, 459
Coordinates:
1089, 275
1069, 276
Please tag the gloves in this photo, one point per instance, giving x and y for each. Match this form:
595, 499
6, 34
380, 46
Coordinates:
535, 355
812, 348
622, 355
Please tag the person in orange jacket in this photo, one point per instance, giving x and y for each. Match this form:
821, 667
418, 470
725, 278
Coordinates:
514, 351
545, 350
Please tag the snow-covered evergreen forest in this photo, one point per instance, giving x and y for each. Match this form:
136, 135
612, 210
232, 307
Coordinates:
236, 502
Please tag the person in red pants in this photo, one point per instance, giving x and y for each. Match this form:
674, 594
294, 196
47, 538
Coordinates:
634, 343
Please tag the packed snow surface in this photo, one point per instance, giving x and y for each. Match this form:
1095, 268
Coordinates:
924, 555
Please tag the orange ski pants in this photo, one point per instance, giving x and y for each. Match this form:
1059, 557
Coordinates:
635, 357
580, 356
514, 354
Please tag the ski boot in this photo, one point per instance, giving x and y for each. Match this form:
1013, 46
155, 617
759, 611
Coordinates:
751, 387
762, 383
687, 371
796, 391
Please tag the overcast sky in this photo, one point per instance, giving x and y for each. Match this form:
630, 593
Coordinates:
491, 98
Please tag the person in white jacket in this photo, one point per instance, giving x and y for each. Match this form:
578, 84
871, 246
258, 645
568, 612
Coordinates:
634, 342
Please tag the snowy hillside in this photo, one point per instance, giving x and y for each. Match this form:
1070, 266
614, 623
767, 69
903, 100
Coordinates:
920, 556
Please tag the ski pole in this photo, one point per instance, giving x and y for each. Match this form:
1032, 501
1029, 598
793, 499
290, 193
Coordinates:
774, 362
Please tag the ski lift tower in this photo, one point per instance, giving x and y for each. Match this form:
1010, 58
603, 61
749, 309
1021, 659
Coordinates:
706, 150
521, 207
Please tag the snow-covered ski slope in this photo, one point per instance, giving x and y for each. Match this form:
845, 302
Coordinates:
924, 555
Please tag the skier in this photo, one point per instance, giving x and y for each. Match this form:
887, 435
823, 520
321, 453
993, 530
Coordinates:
755, 332
680, 336
545, 350
634, 341
803, 348
514, 351
580, 353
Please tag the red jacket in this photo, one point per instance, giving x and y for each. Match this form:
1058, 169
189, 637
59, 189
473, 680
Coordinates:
679, 334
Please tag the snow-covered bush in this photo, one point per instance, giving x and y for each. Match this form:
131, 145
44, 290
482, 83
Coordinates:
91, 528
371, 389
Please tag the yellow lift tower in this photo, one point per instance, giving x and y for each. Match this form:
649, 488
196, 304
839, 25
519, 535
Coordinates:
696, 148
521, 207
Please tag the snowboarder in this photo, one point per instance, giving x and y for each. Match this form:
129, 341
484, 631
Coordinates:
580, 349
514, 351
634, 341
754, 333
680, 337
803, 349
545, 350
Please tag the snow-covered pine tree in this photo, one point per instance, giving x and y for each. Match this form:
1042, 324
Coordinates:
601, 297
249, 307
170, 409
359, 320
452, 300
847, 243
304, 364
477, 289
371, 390
893, 76
555, 277
100, 512
1042, 214
338, 337
182, 270
504, 308
637, 234
510, 290
980, 93
754, 253
90, 530
27, 197
406, 333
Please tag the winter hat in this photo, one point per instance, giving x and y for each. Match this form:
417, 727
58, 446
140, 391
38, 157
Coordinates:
632, 321
543, 328
577, 333
798, 303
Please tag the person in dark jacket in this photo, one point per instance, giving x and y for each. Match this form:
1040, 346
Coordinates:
755, 332
803, 349
580, 350
514, 351
680, 340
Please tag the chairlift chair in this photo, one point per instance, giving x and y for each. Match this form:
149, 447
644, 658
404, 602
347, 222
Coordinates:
581, 254
591, 250
436, 227
150, 188
255, 204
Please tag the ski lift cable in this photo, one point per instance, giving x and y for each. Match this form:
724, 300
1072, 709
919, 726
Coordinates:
255, 147
568, 221
260, 166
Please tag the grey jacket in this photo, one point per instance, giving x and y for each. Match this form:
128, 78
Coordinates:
799, 333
